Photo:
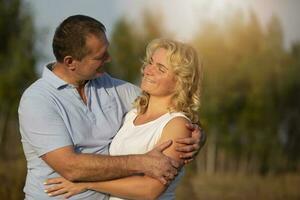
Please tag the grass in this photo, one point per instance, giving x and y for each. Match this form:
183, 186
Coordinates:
240, 187
193, 186
12, 179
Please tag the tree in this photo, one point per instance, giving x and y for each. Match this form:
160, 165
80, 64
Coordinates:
17, 61
243, 67
289, 108
128, 45
125, 51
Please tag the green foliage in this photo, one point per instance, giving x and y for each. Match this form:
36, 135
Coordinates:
17, 58
250, 88
125, 53
17, 61
128, 44
244, 67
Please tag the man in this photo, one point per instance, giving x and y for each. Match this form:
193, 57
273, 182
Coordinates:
69, 117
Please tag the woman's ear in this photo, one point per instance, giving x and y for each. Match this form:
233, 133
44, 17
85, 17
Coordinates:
70, 62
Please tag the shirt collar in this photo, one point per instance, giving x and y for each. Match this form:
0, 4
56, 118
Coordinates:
50, 77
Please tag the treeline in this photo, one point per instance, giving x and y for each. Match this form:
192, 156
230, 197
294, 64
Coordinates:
251, 90
17, 71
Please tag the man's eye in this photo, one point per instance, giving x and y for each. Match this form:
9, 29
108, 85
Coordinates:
98, 58
103, 57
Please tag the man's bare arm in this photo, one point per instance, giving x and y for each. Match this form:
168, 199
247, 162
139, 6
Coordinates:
92, 167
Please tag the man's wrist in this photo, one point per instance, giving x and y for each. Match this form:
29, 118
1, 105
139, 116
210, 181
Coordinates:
134, 164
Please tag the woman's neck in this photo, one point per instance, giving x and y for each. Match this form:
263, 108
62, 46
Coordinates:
158, 106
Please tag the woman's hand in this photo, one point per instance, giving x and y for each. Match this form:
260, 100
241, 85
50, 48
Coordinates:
191, 146
59, 186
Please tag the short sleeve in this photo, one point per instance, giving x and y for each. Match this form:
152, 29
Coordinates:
41, 126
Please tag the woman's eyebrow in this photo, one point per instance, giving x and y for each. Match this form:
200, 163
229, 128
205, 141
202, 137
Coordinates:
161, 65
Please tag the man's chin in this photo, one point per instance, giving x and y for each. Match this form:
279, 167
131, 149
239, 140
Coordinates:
99, 74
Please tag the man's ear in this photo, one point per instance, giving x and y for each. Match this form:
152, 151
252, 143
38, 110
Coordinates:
70, 62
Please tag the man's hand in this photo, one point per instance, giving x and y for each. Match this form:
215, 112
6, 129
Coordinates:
159, 166
191, 145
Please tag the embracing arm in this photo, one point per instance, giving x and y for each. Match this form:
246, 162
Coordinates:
91, 167
134, 187
139, 187
50, 139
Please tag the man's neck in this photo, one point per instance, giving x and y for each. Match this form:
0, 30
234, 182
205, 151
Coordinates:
61, 71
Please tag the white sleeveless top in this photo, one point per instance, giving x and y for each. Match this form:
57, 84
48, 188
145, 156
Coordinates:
139, 139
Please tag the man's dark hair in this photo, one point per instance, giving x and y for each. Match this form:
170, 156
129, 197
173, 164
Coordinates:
70, 36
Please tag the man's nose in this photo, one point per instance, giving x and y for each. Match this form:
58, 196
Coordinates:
108, 59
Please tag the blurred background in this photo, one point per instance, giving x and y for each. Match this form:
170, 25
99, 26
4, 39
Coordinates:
250, 110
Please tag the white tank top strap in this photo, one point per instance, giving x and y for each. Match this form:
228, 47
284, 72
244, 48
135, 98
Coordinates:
130, 116
168, 117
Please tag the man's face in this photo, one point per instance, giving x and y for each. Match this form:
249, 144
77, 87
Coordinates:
92, 65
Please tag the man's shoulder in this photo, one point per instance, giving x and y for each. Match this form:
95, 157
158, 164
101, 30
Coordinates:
37, 87
38, 93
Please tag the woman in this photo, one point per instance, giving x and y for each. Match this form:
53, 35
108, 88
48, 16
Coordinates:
170, 98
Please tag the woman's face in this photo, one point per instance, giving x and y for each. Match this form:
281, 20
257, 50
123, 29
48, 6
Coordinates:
159, 78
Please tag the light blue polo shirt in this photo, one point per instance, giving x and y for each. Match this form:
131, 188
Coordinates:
52, 115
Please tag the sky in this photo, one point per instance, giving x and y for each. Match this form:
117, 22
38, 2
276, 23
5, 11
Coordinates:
181, 17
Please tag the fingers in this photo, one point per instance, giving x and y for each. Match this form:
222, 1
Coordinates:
176, 164
188, 148
172, 171
186, 156
56, 192
186, 141
53, 181
191, 126
56, 187
170, 177
68, 195
162, 180
53, 188
166, 179
197, 133
164, 145
167, 174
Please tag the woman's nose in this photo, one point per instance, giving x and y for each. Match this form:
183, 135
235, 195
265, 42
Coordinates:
148, 69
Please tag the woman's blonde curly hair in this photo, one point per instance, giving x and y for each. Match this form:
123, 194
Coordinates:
183, 59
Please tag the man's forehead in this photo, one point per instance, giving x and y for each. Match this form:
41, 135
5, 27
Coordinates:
92, 38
